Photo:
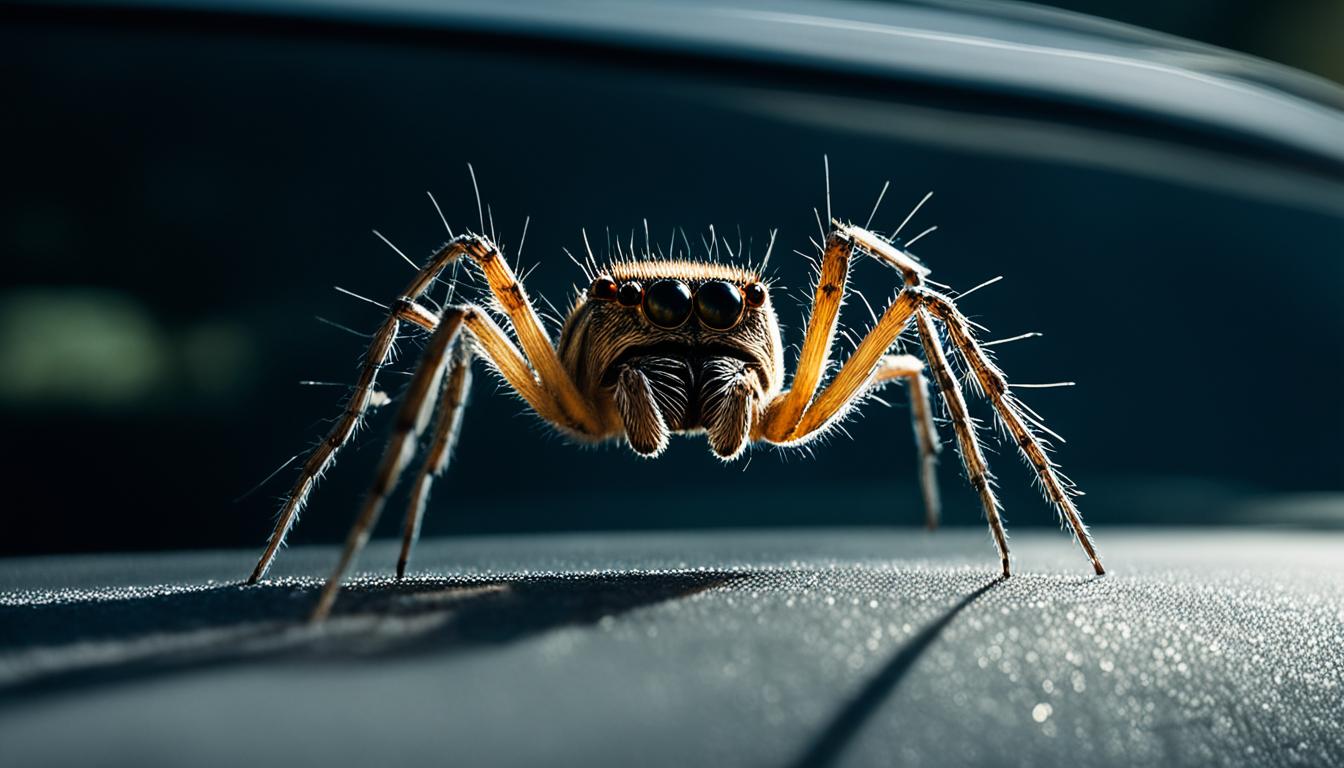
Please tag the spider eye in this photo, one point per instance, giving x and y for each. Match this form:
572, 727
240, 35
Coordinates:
630, 293
603, 289
755, 293
718, 304
667, 303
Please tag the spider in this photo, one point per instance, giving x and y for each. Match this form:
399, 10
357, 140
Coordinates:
656, 347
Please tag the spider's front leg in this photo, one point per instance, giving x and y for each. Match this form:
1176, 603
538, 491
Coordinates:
861, 371
857, 375
780, 421
794, 416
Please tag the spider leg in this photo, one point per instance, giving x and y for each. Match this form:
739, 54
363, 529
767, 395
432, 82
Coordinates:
868, 366
784, 419
911, 370
1058, 491
532, 337
414, 415
977, 469
380, 352
447, 425
412, 418
856, 375
780, 420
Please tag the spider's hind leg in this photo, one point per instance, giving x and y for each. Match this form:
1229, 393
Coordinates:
405, 310
495, 347
412, 418
911, 370
447, 426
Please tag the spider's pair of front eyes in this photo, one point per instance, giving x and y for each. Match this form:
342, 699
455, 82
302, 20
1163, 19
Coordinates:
668, 303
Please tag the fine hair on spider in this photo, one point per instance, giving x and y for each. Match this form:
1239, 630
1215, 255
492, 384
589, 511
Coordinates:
659, 346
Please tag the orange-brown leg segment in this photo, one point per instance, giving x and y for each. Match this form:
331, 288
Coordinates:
793, 414
856, 375
1014, 418
579, 415
783, 413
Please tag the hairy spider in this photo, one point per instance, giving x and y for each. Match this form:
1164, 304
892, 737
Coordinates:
656, 347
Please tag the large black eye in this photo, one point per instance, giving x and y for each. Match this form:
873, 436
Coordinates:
718, 304
667, 303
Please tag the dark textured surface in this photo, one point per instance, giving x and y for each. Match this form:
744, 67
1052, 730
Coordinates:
806, 648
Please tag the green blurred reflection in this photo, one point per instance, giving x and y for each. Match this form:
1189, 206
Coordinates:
94, 348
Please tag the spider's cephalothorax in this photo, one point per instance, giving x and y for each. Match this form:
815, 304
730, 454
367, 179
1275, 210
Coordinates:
652, 348
661, 347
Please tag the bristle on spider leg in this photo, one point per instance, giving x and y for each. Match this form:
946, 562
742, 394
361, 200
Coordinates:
910, 216
403, 256
277, 471
1019, 337
826, 161
477, 189
920, 236
873, 214
442, 218
351, 293
988, 282
522, 240
345, 328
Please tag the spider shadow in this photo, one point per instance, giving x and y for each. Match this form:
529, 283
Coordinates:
97, 641
826, 748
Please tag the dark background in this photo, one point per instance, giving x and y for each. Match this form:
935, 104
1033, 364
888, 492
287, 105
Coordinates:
1301, 33
179, 198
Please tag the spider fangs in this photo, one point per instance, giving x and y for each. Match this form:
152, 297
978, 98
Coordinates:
655, 348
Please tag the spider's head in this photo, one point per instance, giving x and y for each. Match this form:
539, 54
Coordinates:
682, 310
